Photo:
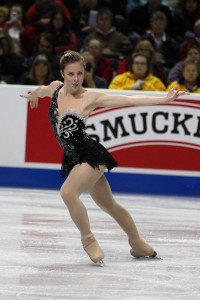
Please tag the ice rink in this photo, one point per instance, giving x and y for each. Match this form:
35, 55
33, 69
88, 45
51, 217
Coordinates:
41, 256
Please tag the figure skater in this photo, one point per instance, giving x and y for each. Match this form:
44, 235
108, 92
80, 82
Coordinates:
85, 160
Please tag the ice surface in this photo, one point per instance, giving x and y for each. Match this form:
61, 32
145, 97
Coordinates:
41, 256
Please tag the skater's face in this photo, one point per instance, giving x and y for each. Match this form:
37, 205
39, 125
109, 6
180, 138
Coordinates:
73, 75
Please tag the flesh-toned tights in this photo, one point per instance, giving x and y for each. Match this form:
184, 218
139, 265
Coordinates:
83, 178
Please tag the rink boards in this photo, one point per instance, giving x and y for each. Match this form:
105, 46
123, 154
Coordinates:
157, 147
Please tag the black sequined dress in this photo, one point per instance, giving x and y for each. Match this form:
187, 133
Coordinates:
77, 145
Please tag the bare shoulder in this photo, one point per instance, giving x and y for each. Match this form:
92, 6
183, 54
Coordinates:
92, 96
54, 85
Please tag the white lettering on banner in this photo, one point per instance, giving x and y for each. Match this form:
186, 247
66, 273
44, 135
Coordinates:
173, 123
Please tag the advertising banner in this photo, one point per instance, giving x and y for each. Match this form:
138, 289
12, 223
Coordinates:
157, 147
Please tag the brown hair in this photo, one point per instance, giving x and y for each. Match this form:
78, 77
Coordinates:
186, 62
134, 55
70, 57
159, 15
149, 46
38, 59
11, 46
192, 47
189, 61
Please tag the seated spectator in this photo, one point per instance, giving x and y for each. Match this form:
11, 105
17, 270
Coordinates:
103, 65
112, 40
147, 48
86, 8
3, 15
166, 48
193, 41
40, 72
139, 19
189, 77
64, 38
118, 7
39, 14
139, 77
131, 4
193, 51
26, 4
74, 9
22, 34
91, 80
45, 45
185, 15
11, 63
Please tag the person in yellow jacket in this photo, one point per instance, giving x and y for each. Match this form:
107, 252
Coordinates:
190, 79
139, 77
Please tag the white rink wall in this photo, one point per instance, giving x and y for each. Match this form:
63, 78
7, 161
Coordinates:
138, 137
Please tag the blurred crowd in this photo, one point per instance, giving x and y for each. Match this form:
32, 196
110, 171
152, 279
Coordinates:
147, 45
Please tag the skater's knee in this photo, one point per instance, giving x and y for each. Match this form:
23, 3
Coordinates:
67, 195
108, 207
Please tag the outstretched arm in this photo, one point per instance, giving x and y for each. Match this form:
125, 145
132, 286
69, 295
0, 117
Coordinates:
106, 100
40, 92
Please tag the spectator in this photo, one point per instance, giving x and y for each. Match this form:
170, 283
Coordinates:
193, 41
147, 48
26, 4
3, 15
189, 77
22, 34
45, 45
131, 4
139, 19
163, 43
118, 7
86, 8
40, 72
193, 51
11, 63
139, 77
39, 14
74, 9
112, 40
64, 38
103, 65
185, 15
91, 80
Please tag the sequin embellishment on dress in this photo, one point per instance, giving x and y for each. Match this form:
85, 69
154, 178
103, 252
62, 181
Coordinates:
77, 145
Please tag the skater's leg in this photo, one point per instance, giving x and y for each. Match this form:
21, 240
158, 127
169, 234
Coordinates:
81, 179
102, 195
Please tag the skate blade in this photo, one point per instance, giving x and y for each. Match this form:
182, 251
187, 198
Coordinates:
100, 263
154, 254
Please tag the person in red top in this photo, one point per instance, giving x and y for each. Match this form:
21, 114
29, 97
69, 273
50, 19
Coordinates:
3, 15
64, 37
103, 65
40, 12
193, 41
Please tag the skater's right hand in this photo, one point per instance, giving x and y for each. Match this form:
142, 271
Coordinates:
32, 99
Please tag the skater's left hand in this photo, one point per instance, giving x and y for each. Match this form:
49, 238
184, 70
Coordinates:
174, 93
